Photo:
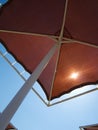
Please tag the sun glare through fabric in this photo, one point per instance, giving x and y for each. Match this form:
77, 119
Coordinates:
74, 75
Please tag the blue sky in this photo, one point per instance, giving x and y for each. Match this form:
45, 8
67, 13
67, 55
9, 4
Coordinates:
3, 1
33, 114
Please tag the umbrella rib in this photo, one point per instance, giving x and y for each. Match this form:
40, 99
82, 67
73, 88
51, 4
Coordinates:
81, 42
12, 65
53, 37
63, 23
89, 91
59, 42
54, 73
39, 96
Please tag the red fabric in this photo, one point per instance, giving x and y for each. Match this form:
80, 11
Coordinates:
82, 20
91, 128
95, 127
10, 126
46, 17
27, 49
33, 16
30, 50
75, 58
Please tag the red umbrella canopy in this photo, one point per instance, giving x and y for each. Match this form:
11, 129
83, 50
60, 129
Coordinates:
92, 128
95, 127
34, 27
34, 16
10, 127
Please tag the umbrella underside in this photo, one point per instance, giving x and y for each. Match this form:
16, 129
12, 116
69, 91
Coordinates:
95, 127
10, 127
75, 63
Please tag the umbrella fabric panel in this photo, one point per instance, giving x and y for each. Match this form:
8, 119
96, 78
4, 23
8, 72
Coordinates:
95, 127
82, 20
90, 128
10, 126
35, 16
27, 49
77, 66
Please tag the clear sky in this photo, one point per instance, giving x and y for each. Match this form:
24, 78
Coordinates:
3, 1
33, 114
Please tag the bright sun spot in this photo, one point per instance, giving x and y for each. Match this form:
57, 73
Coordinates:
74, 75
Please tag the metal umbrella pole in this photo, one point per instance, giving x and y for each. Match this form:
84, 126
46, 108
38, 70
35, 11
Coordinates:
12, 107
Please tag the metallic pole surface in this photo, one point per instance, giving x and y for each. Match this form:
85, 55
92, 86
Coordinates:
12, 107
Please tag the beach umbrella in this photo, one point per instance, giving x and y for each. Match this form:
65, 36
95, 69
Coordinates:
89, 127
10, 127
57, 40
